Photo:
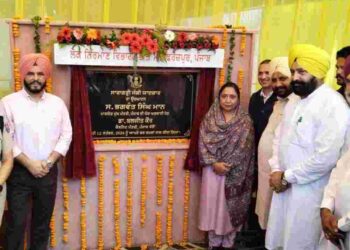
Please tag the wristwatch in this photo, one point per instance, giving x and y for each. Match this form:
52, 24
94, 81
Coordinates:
49, 163
284, 182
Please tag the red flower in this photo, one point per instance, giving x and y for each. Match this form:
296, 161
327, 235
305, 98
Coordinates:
134, 38
135, 47
68, 39
145, 39
199, 46
66, 31
181, 45
152, 46
214, 46
188, 45
126, 38
206, 44
182, 37
60, 38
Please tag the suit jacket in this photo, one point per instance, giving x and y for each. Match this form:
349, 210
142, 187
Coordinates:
260, 112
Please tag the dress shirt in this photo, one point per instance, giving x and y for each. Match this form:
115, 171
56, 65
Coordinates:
38, 127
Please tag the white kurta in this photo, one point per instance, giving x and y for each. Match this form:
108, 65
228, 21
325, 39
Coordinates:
307, 147
337, 199
263, 200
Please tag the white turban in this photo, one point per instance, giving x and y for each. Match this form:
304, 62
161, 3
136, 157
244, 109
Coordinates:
280, 64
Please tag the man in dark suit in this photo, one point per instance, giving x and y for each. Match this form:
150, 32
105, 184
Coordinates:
341, 56
260, 108
261, 102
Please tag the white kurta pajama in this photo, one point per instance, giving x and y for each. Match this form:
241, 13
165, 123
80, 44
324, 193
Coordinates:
307, 147
264, 195
337, 199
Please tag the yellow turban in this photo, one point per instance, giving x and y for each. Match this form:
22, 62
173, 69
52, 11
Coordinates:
280, 64
311, 58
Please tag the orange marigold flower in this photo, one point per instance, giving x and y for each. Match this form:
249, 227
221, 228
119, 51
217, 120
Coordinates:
215, 40
92, 34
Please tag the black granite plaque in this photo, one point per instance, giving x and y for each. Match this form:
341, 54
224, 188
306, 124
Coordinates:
152, 105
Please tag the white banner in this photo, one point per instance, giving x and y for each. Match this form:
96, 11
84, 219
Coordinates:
95, 55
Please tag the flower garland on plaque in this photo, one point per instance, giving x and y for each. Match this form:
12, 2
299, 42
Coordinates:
243, 41
83, 213
116, 165
100, 212
118, 240
222, 70
47, 26
16, 56
159, 184
129, 232
53, 241
231, 56
186, 207
48, 87
240, 78
169, 221
143, 191
158, 234
65, 192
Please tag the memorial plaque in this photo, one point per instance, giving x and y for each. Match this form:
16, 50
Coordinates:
149, 104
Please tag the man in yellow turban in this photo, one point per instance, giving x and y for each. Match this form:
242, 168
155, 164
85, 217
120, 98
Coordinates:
306, 147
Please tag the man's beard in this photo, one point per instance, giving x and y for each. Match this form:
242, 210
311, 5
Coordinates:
303, 89
282, 91
340, 79
33, 90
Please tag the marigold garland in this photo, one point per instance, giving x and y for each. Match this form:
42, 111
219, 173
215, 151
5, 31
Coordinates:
48, 87
231, 56
240, 78
16, 74
83, 213
47, 25
66, 209
222, 70
15, 27
53, 241
100, 210
118, 240
129, 231
159, 171
65, 215
186, 207
158, 230
243, 41
143, 247
169, 222
127, 142
116, 165
143, 191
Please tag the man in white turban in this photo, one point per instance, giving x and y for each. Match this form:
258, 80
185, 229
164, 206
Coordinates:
280, 79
